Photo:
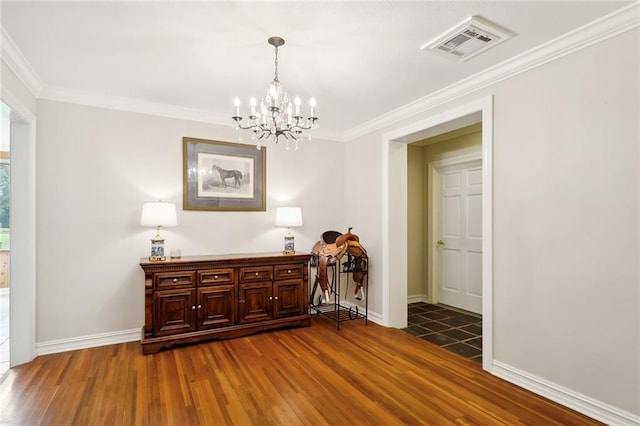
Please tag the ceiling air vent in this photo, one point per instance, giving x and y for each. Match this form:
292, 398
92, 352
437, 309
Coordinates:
468, 39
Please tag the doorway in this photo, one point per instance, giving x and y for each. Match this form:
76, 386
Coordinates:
22, 211
444, 180
395, 201
444, 219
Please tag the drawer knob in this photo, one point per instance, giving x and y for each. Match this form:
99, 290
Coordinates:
256, 274
199, 306
276, 297
193, 307
175, 280
215, 277
288, 271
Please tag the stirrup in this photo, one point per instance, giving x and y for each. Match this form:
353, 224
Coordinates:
325, 298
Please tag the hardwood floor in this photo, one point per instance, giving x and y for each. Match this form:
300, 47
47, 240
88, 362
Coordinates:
317, 376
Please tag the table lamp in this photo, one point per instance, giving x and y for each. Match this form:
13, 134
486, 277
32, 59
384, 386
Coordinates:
289, 216
158, 214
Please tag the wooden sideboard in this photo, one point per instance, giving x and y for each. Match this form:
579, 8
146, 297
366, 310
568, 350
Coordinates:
199, 298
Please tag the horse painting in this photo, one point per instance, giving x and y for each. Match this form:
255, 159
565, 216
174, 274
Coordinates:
236, 175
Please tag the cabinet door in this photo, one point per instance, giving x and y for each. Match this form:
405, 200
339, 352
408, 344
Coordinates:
216, 306
254, 302
175, 311
288, 299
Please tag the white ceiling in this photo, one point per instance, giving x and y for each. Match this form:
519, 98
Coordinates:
359, 59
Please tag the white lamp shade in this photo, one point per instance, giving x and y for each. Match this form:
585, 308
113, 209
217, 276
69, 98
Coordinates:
289, 216
158, 214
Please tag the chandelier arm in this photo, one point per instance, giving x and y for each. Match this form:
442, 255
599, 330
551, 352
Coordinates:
302, 127
248, 127
292, 137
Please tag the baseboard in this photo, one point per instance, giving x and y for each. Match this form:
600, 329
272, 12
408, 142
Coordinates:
5, 290
417, 298
123, 336
91, 341
586, 405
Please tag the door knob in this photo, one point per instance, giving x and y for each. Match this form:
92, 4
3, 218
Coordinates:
440, 243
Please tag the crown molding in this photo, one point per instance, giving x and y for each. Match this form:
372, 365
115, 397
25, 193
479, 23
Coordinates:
599, 30
122, 103
604, 28
15, 60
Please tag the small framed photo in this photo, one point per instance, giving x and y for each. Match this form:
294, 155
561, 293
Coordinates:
223, 176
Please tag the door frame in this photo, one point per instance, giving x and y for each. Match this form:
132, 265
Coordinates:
393, 261
22, 297
434, 175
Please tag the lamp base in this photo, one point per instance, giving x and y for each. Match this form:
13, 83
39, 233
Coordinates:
157, 249
289, 244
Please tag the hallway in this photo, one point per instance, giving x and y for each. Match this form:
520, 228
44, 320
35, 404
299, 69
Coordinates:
453, 329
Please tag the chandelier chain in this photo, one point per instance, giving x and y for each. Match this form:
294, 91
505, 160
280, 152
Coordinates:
275, 75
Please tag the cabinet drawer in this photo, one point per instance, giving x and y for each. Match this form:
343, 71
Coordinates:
283, 272
215, 276
256, 273
174, 279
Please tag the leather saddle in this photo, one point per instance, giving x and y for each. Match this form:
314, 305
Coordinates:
330, 249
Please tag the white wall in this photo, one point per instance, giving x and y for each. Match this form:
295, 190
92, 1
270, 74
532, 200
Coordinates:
97, 166
362, 210
566, 209
566, 229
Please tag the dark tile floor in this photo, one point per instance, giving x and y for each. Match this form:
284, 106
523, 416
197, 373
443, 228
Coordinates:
453, 329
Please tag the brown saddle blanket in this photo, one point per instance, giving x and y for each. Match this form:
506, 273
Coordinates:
331, 248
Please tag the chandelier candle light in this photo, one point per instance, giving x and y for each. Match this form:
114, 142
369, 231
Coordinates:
276, 115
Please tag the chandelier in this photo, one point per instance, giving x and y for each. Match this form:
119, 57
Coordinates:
276, 116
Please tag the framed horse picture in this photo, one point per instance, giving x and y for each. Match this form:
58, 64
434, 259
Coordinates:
223, 176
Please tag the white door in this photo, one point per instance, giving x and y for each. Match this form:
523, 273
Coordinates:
459, 235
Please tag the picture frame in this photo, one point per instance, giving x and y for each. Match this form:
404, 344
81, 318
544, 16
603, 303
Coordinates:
223, 176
